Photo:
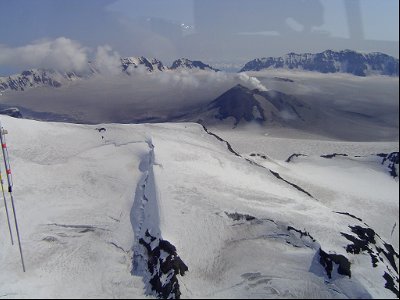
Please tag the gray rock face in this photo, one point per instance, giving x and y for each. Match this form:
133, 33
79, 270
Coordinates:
329, 61
52, 78
134, 62
184, 63
34, 78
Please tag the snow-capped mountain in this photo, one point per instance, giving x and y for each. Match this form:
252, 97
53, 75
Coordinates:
329, 61
175, 210
184, 63
151, 65
36, 78
240, 104
52, 78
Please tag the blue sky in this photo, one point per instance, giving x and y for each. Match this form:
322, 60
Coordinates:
210, 30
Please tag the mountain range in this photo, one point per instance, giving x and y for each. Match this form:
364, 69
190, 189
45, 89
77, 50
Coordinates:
329, 61
184, 63
52, 78
36, 77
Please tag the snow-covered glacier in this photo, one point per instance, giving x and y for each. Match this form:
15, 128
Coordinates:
176, 210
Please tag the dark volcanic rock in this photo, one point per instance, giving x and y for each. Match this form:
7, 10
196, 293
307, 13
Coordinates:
293, 156
329, 156
366, 236
292, 184
350, 215
239, 103
256, 164
390, 284
302, 233
327, 261
221, 140
365, 240
164, 265
391, 160
237, 216
258, 155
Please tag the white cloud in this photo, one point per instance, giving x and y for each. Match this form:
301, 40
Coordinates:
61, 54
252, 81
107, 61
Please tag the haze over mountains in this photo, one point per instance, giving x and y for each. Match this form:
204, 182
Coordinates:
329, 61
137, 89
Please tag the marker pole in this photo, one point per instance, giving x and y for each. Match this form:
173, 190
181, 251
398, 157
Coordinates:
10, 187
6, 207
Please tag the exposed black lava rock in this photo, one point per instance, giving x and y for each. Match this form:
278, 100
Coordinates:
390, 284
366, 241
390, 254
389, 160
302, 233
221, 140
164, 265
347, 214
293, 156
329, 156
292, 184
258, 155
102, 129
366, 236
256, 164
327, 261
237, 216
392, 160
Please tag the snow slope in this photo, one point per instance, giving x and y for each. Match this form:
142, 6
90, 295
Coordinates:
120, 212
